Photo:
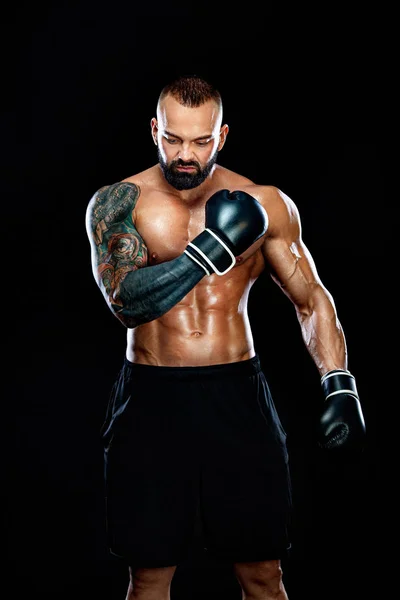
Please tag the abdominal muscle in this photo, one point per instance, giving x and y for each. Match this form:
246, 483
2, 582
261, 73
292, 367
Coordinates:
209, 326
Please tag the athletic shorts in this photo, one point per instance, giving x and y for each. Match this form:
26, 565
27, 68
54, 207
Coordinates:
188, 442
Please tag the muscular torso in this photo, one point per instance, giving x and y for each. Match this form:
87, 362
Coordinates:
210, 325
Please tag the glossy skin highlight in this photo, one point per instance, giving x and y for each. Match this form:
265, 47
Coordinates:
210, 325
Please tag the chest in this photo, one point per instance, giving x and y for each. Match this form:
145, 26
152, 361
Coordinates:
167, 226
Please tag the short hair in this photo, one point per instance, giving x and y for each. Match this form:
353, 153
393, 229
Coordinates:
191, 90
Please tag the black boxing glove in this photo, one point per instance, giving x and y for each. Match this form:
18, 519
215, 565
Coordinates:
233, 222
341, 423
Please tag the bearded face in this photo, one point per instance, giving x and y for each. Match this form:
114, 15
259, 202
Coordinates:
186, 180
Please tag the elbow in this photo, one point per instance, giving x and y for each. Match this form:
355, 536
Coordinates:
132, 319
128, 322
318, 302
305, 313
126, 317
308, 304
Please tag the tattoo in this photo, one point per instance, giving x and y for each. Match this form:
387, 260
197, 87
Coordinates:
120, 248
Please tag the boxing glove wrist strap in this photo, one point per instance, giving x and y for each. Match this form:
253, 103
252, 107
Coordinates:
197, 260
338, 381
207, 253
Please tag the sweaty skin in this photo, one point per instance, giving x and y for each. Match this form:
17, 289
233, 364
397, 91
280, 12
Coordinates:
210, 325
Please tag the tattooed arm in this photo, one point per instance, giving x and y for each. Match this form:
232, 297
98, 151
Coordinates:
135, 292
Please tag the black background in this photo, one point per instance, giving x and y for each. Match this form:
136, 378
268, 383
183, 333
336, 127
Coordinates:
303, 99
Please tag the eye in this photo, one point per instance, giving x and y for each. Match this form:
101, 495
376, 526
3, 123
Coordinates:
170, 141
203, 143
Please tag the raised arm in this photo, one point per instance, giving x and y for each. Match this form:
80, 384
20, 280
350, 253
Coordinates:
341, 422
135, 292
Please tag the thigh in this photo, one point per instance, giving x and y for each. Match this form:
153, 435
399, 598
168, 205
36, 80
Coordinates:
151, 476
246, 512
245, 479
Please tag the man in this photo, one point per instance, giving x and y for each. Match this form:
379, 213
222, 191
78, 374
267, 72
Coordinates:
191, 425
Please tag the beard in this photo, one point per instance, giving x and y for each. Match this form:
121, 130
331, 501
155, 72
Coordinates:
185, 181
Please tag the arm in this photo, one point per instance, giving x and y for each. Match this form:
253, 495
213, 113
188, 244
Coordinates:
135, 292
341, 422
293, 269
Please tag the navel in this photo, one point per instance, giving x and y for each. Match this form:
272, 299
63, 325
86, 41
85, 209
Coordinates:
196, 333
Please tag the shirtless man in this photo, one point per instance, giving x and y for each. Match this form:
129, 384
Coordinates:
191, 426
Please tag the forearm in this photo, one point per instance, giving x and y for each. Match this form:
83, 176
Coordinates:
149, 292
324, 338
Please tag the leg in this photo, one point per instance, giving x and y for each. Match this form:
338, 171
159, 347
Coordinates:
261, 580
152, 487
245, 487
150, 584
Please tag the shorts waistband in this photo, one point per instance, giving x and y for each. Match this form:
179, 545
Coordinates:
250, 366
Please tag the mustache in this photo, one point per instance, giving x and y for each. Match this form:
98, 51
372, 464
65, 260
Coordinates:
181, 163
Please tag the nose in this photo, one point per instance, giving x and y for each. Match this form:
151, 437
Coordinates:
185, 153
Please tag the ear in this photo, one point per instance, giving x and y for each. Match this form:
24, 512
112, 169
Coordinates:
154, 129
223, 132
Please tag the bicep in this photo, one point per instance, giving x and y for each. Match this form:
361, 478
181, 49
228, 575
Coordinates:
287, 257
116, 246
292, 268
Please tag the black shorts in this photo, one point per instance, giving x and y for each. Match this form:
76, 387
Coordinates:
182, 442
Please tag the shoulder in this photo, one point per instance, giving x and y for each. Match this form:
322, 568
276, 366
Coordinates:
118, 195
271, 197
230, 179
145, 179
129, 188
282, 211
111, 205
